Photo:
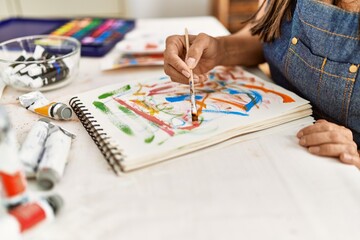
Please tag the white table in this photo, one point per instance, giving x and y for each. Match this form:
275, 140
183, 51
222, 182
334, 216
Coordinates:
265, 188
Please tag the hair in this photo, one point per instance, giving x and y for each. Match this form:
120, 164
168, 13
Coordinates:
268, 27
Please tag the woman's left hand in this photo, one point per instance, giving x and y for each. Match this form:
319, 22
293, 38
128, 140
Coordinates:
328, 139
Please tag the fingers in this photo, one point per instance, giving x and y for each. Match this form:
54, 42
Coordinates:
175, 52
175, 76
325, 126
332, 150
317, 138
329, 139
197, 47
350, 159
174, 66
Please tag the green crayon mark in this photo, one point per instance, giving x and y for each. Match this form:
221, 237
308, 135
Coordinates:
125, 128
150, 139
132, 115
101, 107
114, 120
111, 93
127, 111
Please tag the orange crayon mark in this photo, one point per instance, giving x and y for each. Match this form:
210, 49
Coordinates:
286, 98
239, 105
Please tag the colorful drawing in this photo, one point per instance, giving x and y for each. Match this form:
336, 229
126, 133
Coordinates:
159, 109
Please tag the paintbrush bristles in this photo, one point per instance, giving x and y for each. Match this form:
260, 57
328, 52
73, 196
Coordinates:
193, 109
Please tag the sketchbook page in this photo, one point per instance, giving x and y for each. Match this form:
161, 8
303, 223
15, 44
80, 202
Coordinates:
150, 120
149, 36
132, 60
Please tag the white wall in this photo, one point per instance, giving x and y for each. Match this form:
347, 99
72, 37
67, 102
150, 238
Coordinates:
7, 8
119, 8
167, 8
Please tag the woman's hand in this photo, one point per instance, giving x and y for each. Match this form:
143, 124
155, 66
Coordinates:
328, 139
204, 54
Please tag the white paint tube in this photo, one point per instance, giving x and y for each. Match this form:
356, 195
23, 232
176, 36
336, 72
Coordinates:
55, 157
36, 102
33, 147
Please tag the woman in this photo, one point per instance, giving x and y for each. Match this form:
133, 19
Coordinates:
313, 49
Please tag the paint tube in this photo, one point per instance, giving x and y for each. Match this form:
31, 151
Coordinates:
12, 73
48, 74
11, 175
55, 157
36, 102
9, 70
28, 215
33, 146
41, 53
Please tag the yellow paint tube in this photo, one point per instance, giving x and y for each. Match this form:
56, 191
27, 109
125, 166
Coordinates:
36, 102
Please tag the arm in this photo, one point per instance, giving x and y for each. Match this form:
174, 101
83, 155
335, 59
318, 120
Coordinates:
241, 49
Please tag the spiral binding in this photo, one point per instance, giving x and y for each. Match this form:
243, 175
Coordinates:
112, 153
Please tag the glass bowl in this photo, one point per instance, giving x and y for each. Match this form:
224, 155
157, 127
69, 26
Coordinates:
41, 62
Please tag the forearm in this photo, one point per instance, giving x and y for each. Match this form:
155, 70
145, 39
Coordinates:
241, 48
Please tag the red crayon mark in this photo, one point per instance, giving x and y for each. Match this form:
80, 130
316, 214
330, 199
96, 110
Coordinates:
195, 124
162, 125
151, 46
158, 90
286, 98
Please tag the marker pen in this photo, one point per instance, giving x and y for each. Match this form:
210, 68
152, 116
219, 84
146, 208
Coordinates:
28, 215
36, 102
55, 157
12, 177
33, 146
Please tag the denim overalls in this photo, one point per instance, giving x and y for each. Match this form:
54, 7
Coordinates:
318, 57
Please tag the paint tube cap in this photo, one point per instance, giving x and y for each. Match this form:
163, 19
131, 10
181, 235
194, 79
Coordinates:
56, 202
47, 178
64, 112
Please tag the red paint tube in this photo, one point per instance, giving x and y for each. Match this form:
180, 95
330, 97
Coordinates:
28, 215
12, 176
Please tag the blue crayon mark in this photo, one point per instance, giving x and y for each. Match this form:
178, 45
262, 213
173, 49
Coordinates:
232, 91
255, 99
181, 98
225, 112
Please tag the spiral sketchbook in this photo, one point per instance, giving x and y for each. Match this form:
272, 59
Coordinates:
145, 121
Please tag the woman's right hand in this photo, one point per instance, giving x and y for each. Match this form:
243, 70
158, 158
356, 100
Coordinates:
205, 53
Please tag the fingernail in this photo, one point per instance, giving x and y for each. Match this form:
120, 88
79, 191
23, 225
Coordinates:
300, 134
314, 149
190, 62
302, 141
185, 73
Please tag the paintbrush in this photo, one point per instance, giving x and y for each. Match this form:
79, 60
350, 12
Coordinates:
194, 116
